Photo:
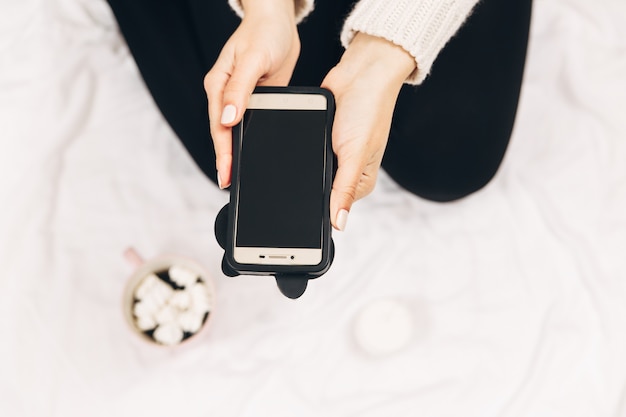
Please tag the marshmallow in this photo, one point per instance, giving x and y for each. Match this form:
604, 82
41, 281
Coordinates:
190, 321
146, 285
145, 323
200, 299
166, 314
160, 293
168, 334
145, 308
180, 299
182, 276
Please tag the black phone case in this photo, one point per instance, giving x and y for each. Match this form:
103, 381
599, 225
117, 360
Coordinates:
291, 279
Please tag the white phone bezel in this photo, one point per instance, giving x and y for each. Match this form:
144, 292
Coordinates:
271, 255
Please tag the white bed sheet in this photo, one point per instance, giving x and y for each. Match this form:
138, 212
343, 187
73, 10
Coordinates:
518, 292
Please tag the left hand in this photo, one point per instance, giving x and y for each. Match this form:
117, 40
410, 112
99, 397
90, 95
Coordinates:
366, 84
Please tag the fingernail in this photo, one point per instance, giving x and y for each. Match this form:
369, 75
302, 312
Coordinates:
219, 181
342, 219
228, 114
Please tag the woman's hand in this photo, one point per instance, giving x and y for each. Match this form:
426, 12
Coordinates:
366, 84
262, 51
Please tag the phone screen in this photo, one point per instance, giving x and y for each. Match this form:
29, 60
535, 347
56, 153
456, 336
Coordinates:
281, 191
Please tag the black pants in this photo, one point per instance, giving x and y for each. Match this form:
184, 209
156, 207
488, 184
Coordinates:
448, 136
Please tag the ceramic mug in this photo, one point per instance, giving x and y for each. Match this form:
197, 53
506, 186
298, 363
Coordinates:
168, 300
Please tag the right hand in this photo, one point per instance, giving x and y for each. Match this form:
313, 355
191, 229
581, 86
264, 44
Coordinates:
262, 51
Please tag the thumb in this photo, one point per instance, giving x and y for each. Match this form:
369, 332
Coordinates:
344, 192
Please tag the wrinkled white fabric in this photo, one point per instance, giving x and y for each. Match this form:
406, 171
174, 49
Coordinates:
517, 292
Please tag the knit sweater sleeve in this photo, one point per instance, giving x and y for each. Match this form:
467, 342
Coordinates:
421, 27
303, 8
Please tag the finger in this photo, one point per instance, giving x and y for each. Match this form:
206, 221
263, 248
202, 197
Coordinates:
214, 84
244, 78
344, 191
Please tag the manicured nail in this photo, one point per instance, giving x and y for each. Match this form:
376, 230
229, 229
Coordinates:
342, 219
228, 114
219, 181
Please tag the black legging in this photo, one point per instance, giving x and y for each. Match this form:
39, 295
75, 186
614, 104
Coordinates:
448, 135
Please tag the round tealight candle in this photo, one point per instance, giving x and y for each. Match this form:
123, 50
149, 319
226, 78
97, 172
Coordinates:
384, 326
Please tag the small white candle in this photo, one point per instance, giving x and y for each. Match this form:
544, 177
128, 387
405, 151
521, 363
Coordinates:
384, 326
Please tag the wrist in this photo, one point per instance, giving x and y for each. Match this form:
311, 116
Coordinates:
379, 57
269, 8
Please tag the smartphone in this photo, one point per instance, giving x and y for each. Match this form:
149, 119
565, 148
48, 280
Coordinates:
279, 218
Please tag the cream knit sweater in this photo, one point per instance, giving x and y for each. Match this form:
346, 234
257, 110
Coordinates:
421, 27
